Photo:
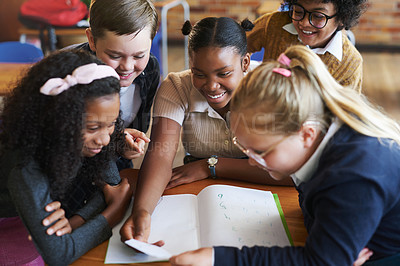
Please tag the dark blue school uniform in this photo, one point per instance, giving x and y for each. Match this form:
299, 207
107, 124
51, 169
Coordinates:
352, 201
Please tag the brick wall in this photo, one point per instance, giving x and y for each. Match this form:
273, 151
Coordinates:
380, 25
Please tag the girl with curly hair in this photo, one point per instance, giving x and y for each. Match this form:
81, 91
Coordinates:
317, 24
60, 131
293, 119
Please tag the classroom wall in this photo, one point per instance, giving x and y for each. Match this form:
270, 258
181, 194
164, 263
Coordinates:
9, 20
380, 25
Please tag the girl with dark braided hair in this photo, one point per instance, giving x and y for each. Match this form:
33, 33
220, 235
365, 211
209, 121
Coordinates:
194, 105
60, 132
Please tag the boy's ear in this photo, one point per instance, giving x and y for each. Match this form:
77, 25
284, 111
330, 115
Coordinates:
90, 38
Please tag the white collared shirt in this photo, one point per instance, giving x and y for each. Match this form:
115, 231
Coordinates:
130, 103
307, 170
334, 46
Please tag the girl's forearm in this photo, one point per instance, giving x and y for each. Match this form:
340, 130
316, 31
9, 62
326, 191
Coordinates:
117, 198
240, 169
76, 221
152, 181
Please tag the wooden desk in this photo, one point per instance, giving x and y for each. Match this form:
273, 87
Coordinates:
49, 39
23, 31
10, 73
288, 198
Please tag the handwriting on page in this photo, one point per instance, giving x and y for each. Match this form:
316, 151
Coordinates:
219, 215
243, 218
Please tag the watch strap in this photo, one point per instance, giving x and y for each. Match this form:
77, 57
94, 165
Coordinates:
212, 167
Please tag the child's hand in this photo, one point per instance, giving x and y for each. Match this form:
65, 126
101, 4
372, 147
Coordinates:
61, 224
137, 226
200, 257
135, 142
189, 173
363, 256
117, 199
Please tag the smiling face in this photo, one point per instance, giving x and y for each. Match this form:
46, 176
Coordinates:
101, 115
216, 73
309, 35
127, 54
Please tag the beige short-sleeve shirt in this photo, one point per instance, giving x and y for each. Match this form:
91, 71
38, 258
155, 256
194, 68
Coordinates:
204, 131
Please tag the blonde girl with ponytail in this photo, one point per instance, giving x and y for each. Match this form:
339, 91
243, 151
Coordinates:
293, 119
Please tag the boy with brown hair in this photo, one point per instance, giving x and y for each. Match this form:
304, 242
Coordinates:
121, 34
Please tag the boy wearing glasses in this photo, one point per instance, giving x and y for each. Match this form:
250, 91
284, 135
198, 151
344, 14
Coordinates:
317, 24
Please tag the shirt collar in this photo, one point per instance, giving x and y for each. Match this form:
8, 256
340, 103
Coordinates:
307, 170
334, 46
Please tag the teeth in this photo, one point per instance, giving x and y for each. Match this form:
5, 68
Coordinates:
307, 32
216, 96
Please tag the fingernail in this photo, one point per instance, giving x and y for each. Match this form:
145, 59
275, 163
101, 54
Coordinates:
45, 222
50, 231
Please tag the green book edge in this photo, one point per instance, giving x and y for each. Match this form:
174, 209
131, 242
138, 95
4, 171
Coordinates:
278, 205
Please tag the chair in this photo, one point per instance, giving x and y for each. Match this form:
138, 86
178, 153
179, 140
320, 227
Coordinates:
258, 56
16, 52
156, 48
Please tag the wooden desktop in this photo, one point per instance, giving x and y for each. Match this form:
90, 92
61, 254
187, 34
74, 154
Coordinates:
288, 198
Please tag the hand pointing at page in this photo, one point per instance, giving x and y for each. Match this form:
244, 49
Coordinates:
139, 230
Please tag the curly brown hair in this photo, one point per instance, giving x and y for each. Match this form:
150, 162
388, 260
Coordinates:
48, 129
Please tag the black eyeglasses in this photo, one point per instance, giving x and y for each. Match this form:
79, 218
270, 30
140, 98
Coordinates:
317, 19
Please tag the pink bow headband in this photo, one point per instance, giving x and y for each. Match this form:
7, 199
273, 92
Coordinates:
284, 60
81, 75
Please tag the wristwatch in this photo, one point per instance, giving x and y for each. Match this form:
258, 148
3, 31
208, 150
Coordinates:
212, 161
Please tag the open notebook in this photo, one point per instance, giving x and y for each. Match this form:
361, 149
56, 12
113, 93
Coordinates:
218, 215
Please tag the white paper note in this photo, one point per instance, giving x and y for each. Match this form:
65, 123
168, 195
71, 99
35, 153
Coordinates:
149, 249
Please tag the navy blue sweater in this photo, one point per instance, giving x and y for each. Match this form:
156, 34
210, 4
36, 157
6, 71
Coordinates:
352, 201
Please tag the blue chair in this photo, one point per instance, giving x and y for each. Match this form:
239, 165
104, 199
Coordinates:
258, 56
156, 48
17, 52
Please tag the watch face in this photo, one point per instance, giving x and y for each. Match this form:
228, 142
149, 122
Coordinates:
212, 160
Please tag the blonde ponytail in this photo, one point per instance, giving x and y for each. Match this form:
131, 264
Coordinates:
310, 92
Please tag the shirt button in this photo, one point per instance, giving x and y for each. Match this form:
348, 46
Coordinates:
227, 132
226, 142
85, 201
